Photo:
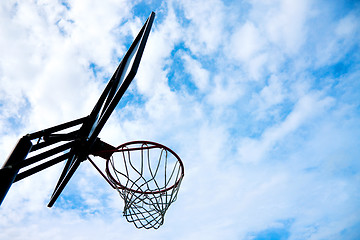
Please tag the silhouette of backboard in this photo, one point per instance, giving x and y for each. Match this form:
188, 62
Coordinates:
106, 104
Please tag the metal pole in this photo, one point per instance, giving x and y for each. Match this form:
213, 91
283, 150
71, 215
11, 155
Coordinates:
8, 171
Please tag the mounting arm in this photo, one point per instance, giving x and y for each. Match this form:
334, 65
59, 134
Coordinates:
48, 141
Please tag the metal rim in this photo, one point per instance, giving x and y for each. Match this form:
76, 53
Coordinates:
155, 145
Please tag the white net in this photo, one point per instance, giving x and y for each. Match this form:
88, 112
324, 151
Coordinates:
147, 176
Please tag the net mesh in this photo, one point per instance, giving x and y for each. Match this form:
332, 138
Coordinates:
147, 176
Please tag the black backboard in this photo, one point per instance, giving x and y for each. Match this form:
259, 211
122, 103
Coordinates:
106, 104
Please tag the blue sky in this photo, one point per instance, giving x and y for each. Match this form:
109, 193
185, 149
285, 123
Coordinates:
259, 98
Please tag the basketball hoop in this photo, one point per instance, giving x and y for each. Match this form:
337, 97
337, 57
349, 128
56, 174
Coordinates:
147, 176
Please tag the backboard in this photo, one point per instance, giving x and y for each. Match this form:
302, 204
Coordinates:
106, 104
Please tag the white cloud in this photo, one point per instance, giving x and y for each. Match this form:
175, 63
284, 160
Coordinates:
347, 26
270, 96
200, 76
151, 74
246, 47
204, 34
246, 42
308, 107
93, 30
285, 24
224, 92
333, 44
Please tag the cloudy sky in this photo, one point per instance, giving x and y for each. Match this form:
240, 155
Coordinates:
259, 98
